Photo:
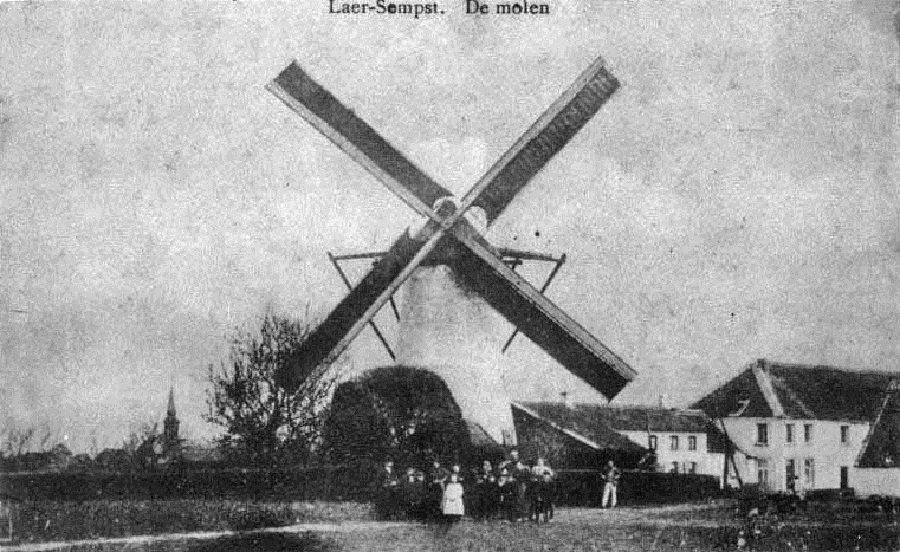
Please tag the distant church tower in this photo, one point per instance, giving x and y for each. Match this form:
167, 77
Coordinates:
170, 428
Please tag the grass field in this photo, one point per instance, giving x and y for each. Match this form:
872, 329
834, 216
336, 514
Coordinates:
333, 527
46, 520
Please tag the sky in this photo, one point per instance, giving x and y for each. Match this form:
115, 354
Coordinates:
737, 198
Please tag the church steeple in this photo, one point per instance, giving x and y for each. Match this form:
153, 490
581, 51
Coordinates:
170, 411
170, 427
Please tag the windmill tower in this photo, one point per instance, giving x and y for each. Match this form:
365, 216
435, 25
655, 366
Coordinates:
448, 330
455, 276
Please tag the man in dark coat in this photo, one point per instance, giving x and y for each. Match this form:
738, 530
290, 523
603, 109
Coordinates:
389, 498
413, 491
544, 496
481, 492
506, 496
437, 477
522, 476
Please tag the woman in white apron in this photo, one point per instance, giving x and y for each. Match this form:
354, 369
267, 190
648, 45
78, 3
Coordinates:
452, 501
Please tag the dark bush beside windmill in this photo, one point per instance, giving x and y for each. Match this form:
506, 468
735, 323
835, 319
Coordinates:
417, 404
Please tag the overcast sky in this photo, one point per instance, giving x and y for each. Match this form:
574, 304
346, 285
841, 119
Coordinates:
737, 198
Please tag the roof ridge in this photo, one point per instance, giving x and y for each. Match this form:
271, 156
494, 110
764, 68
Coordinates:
807, 366
619, 406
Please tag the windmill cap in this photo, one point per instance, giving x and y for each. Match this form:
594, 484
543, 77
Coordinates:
477, 217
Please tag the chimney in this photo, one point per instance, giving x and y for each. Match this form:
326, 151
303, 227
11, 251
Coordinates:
567, 401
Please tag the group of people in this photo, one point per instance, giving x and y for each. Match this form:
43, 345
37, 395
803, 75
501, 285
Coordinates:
511, 491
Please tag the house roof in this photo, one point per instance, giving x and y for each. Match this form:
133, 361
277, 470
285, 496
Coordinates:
626, 418
816, 392
578, 427
602, 423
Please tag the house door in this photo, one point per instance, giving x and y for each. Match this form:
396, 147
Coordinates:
790, 475
845, 477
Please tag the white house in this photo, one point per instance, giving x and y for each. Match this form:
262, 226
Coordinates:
684, 441
807, 427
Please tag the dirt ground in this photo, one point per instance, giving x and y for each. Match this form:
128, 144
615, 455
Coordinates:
697, 527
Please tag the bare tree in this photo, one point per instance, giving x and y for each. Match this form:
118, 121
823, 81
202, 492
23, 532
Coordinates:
19, 440
16, 441
266, 421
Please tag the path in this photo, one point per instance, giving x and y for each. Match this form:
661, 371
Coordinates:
323, 527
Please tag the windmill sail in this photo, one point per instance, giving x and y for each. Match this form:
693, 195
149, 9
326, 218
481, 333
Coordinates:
355, 137
545, 138
543, 322
332, 336
448, 238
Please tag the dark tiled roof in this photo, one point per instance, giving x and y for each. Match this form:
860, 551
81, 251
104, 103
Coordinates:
829, 393
579, 427
802, 391
882, 448
587, 418
740, 396
626, 418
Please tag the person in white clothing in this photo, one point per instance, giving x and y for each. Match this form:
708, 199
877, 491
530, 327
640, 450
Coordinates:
611, 477
452, 503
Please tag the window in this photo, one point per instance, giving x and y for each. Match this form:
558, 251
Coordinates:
690, 467
789, 433
673, 442
762, 435
845, 435
653, 442
692, 442
674, 467
807, 433
809, 473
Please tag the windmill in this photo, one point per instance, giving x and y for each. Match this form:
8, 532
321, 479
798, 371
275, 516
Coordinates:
449, 263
